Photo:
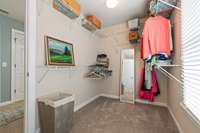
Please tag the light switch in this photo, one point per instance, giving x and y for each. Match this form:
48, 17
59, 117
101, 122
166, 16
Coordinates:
4, 64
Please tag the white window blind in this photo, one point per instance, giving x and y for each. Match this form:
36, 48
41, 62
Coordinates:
191, 56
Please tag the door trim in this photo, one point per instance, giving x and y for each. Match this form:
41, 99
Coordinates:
14, 31
30, 67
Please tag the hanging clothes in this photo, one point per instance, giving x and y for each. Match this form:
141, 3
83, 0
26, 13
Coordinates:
155, 87
148, 76
141, 49
145, 93
156, 47
150, 63
156, 37
170, 35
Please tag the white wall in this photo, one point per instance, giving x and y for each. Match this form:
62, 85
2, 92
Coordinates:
174, 88
116, 40
70, 80
6, 26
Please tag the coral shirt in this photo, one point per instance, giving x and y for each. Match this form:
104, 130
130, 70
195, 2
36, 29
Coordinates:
156, 36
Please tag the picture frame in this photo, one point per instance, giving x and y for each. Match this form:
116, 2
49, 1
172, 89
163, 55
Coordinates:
58, 52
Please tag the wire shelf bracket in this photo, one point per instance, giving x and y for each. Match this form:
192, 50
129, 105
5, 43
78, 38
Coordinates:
166, 3
47, 69
166, 73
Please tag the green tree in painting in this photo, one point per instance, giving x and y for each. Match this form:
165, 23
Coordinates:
67, 51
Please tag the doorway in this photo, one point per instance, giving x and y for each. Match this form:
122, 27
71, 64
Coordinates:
18, 65
127, 85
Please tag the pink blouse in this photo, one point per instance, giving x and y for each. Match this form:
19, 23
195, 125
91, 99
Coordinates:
156, 36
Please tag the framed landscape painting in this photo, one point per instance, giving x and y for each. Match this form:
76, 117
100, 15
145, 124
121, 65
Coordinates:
58, 52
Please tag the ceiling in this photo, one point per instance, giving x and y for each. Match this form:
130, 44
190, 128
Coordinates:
16, 9
125, 10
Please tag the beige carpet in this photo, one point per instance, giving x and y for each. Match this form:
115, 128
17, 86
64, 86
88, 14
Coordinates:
110, 116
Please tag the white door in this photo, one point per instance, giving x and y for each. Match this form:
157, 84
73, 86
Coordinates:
127, 77
18, 65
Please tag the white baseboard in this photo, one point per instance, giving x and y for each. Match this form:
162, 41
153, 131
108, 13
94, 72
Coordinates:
37, 130
94, 98
109, 96
151, 103
77, 107
175, 120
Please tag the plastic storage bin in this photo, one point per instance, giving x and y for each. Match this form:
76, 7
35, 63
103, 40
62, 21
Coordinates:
69, 8
94, 21
56, 113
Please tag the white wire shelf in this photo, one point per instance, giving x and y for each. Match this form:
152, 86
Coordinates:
46, 69
166, 3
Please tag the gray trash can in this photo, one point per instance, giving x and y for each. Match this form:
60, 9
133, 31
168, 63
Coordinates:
56, 113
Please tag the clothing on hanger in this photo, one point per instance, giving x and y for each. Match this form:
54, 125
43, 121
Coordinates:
145, 93
161, 59
156, 37
148, 76
156, 48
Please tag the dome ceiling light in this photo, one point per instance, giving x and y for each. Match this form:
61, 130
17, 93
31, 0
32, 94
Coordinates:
111, 3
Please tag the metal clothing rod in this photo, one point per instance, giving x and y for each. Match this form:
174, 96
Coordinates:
169, 65
170, 75
162, 70
158, 65
164, 73
170, 4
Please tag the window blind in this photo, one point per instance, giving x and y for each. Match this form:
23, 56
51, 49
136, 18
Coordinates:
191, 56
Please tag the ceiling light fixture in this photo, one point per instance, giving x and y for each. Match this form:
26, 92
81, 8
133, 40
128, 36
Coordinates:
111, 3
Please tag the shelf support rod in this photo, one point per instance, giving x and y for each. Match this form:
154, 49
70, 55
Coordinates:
169, 75
43, 76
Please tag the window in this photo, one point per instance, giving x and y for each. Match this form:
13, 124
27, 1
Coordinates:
191, 56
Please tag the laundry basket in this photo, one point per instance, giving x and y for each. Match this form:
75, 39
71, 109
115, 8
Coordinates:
56, 113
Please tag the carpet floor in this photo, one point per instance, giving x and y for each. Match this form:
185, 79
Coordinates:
106, 115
